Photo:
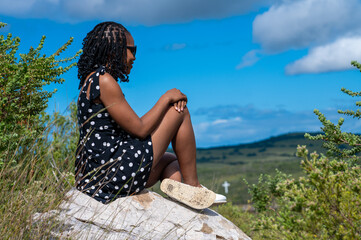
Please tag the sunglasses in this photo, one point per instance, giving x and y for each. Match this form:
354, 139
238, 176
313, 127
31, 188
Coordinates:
132, 49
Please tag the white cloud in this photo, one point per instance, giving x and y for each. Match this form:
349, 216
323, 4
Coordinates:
129, 11
328, 28
249, 59
335, 56
304, 23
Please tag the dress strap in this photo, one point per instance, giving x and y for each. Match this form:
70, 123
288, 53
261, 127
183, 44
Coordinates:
94, 80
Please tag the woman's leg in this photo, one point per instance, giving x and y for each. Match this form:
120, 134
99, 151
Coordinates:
176, 127
167, 167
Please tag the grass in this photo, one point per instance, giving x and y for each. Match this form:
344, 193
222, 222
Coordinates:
34, 179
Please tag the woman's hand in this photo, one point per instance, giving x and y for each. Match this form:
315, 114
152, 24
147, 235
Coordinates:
180, 105
174, 96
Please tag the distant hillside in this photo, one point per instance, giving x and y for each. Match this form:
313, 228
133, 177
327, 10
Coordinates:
249, 161
289, 138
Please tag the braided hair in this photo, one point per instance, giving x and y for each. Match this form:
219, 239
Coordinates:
105, 45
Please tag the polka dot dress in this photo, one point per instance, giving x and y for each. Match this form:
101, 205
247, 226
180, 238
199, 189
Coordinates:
109, 162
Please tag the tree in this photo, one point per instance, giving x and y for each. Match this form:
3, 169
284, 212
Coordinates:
22, 97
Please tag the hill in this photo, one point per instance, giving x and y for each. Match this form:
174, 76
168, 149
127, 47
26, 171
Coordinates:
248, 161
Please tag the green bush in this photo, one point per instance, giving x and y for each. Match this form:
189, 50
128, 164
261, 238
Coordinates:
36, 150
340, 144
22, 97
326, 202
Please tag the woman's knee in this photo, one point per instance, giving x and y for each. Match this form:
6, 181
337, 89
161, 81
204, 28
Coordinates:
180, 114
169, 157
172, 170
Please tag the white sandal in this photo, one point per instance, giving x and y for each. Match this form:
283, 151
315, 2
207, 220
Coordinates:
194, 197
220, 199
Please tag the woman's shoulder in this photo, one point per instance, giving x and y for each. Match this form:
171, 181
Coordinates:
109, 85
107, 81
107, 78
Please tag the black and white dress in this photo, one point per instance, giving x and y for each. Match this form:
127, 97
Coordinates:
109, 162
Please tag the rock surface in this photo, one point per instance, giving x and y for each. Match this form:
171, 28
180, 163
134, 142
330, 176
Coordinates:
144, 216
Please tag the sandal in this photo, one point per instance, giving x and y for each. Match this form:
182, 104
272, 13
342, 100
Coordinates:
220, 199
194, 197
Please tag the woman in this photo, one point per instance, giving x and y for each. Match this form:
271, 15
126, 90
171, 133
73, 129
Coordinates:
119, 154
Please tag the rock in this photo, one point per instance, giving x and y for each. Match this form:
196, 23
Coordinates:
144, 216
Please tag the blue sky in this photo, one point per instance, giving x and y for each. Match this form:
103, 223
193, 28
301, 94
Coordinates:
250, 69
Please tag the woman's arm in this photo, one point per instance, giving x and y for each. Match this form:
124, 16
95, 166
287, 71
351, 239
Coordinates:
113, 99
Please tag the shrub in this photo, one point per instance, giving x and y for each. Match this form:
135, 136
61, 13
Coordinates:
340, 144
326, 202
36, 150
22, 97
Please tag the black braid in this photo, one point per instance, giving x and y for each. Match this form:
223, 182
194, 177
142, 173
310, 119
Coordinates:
105, 45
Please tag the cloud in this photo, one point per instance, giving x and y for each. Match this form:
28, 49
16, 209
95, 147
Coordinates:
328, 28
175, 46
16, 7
232, 124
129, 11
249, 59
304, 23
335, 56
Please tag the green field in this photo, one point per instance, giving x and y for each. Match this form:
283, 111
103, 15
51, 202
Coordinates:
249, 161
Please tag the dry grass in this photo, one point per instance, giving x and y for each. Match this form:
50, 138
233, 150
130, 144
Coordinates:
34, 178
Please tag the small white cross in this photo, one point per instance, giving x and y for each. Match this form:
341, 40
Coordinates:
226, 185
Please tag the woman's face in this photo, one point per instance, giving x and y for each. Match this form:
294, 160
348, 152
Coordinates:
130, 57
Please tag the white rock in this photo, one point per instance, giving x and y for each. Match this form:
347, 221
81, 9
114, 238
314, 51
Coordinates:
146, 215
